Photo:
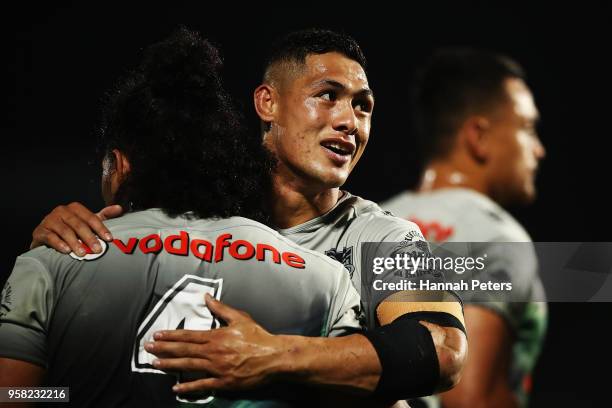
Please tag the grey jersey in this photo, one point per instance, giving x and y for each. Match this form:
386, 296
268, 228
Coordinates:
464, 215
342, 231
86, 321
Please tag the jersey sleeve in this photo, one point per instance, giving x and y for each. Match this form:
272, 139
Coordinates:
345, 309
25, 308
393, 238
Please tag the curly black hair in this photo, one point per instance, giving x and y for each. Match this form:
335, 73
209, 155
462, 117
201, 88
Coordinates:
187, 144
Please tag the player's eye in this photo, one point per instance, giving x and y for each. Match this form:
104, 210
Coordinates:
362, 105
328, 95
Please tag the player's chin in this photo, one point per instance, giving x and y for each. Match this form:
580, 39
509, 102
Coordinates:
335, 177
524, 196
530, 195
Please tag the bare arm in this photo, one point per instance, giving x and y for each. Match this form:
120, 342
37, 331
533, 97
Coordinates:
17, 373
451, 348
450, 343
485, 376
243, 355
66, 224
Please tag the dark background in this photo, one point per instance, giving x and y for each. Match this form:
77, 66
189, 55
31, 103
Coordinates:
66, 55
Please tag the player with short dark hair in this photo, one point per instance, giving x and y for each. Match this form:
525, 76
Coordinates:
315, 106
477, 120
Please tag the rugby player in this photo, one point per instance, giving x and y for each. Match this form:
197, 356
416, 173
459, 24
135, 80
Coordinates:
82, 321
476, 120
315, 106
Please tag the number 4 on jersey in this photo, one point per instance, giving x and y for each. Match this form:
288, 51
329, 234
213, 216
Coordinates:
181, 307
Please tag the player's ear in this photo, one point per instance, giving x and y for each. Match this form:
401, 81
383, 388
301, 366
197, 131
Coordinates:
476, 137
265, 98
121, 163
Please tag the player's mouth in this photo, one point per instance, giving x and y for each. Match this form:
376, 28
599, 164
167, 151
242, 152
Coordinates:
338, 150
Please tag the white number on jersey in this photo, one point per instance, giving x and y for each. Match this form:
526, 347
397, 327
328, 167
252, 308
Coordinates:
181, 307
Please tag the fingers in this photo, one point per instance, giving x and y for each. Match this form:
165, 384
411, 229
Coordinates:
176, 349
42, 235
78, 228
66, 224
185, 336
64, 233
89, 225
183, 364
204, 384
223, 311
110, 212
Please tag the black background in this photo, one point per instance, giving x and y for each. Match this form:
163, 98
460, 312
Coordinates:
67, 54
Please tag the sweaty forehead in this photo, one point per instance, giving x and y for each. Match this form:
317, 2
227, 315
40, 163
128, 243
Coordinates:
521, 98
335, 67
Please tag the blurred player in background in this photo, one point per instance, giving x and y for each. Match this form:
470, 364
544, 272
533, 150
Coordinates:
476, 122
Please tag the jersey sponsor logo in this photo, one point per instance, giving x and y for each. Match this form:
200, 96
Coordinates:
182, 244
89, 254
433, 230
345, 257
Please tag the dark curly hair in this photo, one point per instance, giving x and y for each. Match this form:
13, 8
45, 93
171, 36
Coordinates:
186, 143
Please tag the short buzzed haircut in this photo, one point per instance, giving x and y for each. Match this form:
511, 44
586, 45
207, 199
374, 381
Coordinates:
452, 85
296, 46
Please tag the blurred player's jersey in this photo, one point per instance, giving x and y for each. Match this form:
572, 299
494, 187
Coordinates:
464, 215
341, 233
87, 320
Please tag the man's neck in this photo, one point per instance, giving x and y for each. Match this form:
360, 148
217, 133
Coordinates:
442, 174
293, 204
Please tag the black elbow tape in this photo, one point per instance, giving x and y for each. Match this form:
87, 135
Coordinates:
440, 318
407, 354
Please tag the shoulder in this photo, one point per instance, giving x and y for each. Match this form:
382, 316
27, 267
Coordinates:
366, 221
45, 259
40, 269
398, 203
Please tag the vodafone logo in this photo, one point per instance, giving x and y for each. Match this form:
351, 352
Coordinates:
215, 251
89, 254
209, 251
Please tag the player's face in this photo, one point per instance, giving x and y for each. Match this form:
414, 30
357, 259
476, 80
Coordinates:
516, 148
323, 121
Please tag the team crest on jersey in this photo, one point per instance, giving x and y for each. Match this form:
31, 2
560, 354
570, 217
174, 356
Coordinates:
413, 236
90, 255
345, 257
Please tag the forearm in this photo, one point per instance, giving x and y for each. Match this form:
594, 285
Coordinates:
352, 363
451, 350
349, 363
